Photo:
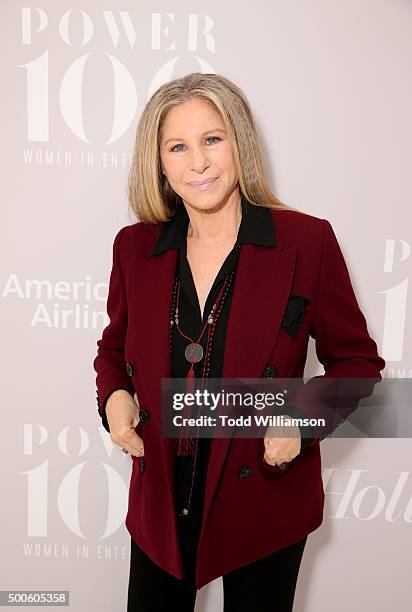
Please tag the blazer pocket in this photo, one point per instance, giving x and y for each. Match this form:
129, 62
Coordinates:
294, 314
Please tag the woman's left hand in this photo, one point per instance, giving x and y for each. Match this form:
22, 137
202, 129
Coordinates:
282, 443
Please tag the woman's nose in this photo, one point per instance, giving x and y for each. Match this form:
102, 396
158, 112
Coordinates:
199, 160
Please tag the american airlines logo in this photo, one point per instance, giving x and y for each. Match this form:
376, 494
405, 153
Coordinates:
60, 304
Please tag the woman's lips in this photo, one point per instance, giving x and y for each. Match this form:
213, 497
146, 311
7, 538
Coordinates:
203, 185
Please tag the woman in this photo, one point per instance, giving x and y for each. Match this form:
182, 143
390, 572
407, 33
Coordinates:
218, 279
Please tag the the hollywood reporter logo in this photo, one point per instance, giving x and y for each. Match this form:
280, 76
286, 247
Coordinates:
357, 500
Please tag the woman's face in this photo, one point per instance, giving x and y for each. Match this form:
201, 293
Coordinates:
195, 147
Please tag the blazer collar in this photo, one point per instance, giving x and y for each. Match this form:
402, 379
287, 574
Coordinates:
256, 227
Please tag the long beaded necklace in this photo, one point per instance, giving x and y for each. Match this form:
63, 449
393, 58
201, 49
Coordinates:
194, 353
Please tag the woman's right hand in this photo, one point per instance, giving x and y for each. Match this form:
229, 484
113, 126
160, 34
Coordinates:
121, 412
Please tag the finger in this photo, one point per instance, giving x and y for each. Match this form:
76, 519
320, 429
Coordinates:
133, 443
269, 459
132, 450
277, 461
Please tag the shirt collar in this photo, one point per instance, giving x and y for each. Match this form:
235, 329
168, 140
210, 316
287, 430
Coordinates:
256, 227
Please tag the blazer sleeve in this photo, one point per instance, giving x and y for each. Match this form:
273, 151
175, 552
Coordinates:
109, 362
343, 346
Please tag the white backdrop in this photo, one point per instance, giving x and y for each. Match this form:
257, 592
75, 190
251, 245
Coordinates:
330, 85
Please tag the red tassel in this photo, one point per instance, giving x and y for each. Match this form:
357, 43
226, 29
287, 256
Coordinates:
186, 445
190, 380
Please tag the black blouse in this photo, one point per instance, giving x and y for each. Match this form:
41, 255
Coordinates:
256, 227
191, 323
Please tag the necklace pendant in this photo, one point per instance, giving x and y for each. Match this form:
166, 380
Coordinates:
210, 320
194, 352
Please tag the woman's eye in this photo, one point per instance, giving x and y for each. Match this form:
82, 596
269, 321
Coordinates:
173, 149
213, 138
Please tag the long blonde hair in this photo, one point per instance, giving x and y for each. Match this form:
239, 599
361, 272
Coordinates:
151, 198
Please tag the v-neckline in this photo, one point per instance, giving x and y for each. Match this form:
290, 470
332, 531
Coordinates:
190, 290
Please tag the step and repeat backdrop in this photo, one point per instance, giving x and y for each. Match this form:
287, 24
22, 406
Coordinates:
330, 87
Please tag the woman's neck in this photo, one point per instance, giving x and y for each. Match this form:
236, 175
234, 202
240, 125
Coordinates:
215, 224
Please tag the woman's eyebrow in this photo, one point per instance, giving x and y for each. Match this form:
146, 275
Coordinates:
204, 134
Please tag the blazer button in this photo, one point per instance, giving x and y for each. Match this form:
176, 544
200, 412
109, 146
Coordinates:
270, 372
244, 472
144, 416
129, 369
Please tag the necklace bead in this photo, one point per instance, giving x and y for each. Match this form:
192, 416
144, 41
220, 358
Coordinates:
195, 353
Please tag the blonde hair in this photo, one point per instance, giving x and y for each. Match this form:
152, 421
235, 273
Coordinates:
151, 198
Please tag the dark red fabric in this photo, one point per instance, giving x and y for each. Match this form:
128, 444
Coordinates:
248, 518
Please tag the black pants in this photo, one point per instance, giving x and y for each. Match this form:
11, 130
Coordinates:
266, 585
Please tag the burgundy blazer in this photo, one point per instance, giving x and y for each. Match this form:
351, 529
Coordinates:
245, 518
